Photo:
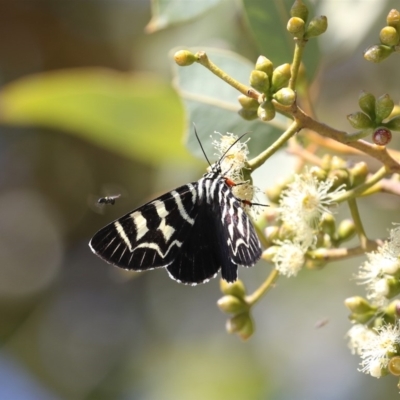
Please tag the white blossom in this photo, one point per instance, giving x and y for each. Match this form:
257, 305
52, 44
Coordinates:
306, 199
289, 258
381, 265
377, 349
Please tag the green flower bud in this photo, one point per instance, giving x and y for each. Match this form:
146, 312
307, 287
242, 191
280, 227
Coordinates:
247, 102
383, 107
389, 36
319, 173
237, 322
248, 115
285, 96
328, 224
393, 123
264, 65
377, 53
259, 80
184, 58
299, 10
295, 26
394, 366
338, 163
318, 262
359, 120
232, 304
269, 253
316, 27
393, 285
346, 230
340, 177
280, 76
247, 329
361, 318
236, 288
366, 101
266, 111
392, 309
358, 305
359, 173
393, 19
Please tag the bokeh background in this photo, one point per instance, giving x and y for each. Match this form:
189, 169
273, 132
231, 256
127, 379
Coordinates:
87, 109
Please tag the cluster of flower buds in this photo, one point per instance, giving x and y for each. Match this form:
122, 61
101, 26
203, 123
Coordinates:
271, 83
389, 37
234, 302
297, 24
370, 119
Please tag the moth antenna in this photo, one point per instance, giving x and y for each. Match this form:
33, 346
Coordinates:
202, 149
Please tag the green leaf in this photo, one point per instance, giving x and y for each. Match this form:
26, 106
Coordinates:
267, 21
212, 104
137, 116
170, 12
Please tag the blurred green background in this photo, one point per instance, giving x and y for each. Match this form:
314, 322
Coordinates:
87, 109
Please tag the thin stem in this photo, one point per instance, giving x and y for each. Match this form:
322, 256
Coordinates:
358, 223
297, 57
203, 59
268, 283
256, 162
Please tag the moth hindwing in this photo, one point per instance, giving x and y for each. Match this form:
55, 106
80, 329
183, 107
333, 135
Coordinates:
193, 231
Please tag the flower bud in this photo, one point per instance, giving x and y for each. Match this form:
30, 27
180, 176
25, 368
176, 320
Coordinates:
248, 115
247, 102
366, 101
346, 230
358, 305
394, 123
393, 19
184, 58
359, 120
383, 107
319, 173
232, 304
259, 80
377, 53
265, 65
393, 286
338, 163
271, 233
394, 366
361, 318
235, 289
299, 10
392, 309
237, 322
295, 26
382, 136
340, 177
359, 173
389, 36
285, 96
316, 27
269, 253
247, 330
281, 76
328, 224
266, 111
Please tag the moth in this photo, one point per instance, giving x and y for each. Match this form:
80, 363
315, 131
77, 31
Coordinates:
193, 231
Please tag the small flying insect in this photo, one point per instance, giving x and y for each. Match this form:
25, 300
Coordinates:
108, 199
